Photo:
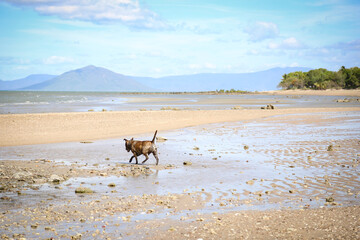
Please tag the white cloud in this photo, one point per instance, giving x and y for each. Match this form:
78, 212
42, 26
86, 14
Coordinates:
281, 65
21, 67
202, 66
128, 12
210, 66
58, 60
259, 31
253, 52
288, 43
348, 46
294, 64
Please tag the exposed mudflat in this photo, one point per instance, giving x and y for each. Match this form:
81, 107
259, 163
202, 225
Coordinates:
287, 176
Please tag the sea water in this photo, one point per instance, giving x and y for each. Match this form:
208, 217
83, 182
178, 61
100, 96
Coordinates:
44, 102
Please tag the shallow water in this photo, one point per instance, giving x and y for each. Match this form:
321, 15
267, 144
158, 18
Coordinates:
277, 160
43, 102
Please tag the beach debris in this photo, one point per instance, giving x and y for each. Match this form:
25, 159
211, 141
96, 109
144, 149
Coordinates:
237, 108
246, 147
34, 226
83, 190
346, 100
187, 163
165, 108
161, 139
269, 106
42, 160
171, 229
170, 108
107, 159
250, 182
55, 178
329, 199
126, 219
150, 211
291, 230
111, 185
86, 142
136, 170
196, 148
142, 109
21, 176
212, 231
49, 229
330, 148
76, 237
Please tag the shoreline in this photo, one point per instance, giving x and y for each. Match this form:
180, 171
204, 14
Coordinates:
43, 128
326, 92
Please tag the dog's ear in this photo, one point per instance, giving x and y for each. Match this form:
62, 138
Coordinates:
125, 139
132, 139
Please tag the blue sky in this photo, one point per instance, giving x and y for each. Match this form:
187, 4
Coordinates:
172, 37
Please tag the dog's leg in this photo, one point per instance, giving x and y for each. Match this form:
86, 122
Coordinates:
131, 159
147, 157
136, 158
156, 157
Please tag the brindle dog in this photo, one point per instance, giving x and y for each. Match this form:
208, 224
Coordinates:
142, 147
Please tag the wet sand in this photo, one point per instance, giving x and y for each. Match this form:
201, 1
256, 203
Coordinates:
257, 174
25, 129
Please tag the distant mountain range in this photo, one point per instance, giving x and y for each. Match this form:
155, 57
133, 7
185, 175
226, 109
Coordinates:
25, 82
92, 78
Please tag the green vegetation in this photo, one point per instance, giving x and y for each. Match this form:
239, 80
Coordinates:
230, 91
321, 79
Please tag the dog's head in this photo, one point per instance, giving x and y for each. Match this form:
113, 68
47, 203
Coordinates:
128, 144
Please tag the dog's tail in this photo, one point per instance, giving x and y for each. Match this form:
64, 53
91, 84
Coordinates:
153, 140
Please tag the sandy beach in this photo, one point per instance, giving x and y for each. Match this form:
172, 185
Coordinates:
25, 129
284, 173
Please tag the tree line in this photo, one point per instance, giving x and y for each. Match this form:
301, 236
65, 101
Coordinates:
320, 79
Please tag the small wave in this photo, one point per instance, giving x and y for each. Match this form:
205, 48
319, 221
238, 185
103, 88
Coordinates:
27, 103
81, 100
